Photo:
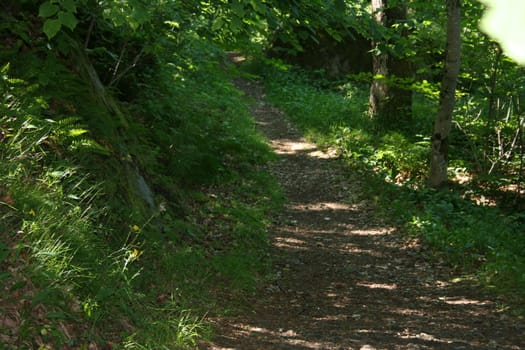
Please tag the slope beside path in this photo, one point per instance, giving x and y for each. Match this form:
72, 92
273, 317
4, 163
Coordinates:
345, 280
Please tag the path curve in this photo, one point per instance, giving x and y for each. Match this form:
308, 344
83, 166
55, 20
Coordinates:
345, 280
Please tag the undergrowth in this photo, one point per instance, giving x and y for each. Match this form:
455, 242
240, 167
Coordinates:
477, 238
126, 234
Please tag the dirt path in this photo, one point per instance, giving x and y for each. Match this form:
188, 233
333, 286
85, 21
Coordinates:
344, 280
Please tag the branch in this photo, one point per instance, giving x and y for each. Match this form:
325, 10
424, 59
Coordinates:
125, 71
90, 31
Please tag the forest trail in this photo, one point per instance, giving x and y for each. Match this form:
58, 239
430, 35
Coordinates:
344, 279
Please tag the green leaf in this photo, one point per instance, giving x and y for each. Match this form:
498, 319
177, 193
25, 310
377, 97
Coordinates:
236, 25
47, 9
43, 296
52, 27
18, 285
238, 9
258, 6
218, 24
140, 15
76, 132
3, 276
69, 5
4, 252
68, 19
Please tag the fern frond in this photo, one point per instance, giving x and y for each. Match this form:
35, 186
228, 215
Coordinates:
88, 145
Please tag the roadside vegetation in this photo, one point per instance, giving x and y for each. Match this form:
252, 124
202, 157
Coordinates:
134, 199
125, 215
472, 225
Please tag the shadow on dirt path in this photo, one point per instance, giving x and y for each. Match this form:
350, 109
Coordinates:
345, 280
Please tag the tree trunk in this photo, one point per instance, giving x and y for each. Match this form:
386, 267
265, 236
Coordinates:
440, 138
378, 88
390, 104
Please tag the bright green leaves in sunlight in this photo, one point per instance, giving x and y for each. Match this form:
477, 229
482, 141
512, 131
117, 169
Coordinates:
504, 20
131, 13
58, 14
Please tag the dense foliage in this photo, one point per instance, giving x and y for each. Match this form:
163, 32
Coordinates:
131, 189
129, 169
461, 225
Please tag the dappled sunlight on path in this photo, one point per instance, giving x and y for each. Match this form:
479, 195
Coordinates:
342, 278
292, 147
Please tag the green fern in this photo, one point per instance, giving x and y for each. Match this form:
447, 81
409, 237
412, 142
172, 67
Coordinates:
71, 132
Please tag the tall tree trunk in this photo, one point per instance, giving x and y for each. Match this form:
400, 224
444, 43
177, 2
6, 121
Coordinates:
440, 138
390, 104
378, 88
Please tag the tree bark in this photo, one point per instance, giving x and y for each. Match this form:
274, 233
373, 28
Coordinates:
390, 104
440, 138
378, 88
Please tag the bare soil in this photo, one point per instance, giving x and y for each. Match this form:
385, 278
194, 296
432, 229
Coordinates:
346, 280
